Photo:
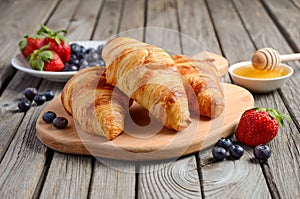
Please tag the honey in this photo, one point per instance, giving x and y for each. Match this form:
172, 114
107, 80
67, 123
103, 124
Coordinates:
250, 72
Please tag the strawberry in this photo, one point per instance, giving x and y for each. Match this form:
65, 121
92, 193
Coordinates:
44, 59
29, 44
57, 41
259, 126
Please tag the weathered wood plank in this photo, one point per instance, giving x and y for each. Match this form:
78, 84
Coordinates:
133, 19
10, 118
84, 20
64, 14
68, 177
232, 35
14, 25
162, 26
178, 179
283, 168
240, 176
24, 161
108, 24
195, 22
113, 179
286, 15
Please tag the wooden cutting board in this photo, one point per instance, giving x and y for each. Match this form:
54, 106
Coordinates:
144, 139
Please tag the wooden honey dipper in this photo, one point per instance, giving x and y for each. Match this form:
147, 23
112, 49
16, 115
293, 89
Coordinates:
270, 59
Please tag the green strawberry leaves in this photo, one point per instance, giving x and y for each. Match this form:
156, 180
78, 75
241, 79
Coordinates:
38, 58
54, 35
280, 117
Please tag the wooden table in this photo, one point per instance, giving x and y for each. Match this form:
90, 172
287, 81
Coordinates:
233, 28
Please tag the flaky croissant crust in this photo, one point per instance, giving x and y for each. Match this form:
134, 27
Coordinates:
205, 93
146, 73
98, 107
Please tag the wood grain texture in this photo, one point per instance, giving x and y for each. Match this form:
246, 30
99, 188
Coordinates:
178, 179
108, 24
82, 24
284, 163
230, 31
68, 177
234, 179
162, 27
10, 118
113, 179
132, 20
286, 15
64, 14
195, 22
23, 163
236, 45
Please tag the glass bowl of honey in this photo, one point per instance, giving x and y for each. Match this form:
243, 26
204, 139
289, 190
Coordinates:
257, 81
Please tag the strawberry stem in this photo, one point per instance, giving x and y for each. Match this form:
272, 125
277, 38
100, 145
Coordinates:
44, 30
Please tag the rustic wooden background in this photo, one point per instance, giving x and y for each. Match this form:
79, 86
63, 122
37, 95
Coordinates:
233, 28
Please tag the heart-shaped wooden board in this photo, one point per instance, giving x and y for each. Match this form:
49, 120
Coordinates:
144, 137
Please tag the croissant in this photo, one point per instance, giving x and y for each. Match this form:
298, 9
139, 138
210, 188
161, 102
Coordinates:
147, 74
203, 77
98, 107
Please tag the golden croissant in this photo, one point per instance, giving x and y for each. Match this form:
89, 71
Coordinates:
147, 74
206, 97
98, 107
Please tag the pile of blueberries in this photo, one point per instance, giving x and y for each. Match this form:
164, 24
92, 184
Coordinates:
82, 57
33, 97
224, 145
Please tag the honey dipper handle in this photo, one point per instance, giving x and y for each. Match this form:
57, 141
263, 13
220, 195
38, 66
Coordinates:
290, 57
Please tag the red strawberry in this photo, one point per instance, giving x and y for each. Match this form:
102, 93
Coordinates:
259, 126
47, 60
58, 42
29, 44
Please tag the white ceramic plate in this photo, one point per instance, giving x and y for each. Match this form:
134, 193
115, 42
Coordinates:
20, 63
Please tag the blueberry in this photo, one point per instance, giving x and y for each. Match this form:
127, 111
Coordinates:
74, 62
89, 50
82, 50
60, 122
81, 56
262, 152
219, 153
236, 151
92, 56
49, 95
30, 93
39, 99
24, 105
99, 49
49, 116
83, 63
70, 67
225, 143
75, 48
